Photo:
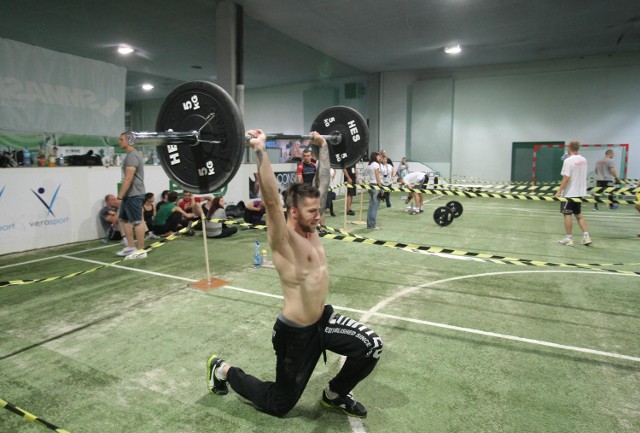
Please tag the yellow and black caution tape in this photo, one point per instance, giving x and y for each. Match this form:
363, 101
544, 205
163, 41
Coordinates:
512, 187
156, 244
341, 235
30, 417
469, 194
617, 190
552, 188
470, 179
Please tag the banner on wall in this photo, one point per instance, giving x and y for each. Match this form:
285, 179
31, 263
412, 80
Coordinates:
35, 208
47, 91
283, 178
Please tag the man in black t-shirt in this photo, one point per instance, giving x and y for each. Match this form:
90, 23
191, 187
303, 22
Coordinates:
306, 169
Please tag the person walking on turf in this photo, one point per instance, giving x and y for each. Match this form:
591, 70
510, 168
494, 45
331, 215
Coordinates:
573, 185
306, 327
606, 176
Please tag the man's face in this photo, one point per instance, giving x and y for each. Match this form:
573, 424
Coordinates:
306, 157
112, 201
123, 141
308, 214
187, 196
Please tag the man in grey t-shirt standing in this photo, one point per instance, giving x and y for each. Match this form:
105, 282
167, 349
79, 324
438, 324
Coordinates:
606, 175
132, 193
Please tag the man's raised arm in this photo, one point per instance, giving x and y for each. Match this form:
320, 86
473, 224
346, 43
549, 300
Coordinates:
323, 174
268, 184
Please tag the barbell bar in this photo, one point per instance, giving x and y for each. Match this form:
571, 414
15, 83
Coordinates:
192, 138
200, 136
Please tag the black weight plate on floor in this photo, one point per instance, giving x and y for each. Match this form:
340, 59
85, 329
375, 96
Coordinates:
455, 207
353, 128
204, 167
443, 216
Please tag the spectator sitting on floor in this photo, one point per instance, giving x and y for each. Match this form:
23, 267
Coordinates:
171, 217
163, 199
109, 219
218, 229
254, 212
148, 214
194, 205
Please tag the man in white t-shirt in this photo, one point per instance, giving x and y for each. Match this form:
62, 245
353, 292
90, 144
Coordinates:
573, 185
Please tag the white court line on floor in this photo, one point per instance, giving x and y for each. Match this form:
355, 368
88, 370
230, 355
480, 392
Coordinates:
356, 425
58, 256
144, 271
375, 310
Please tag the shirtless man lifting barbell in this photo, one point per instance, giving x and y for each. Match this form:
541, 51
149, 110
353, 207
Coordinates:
307, 326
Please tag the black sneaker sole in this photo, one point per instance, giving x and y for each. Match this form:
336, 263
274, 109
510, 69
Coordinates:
329, 405
221, 388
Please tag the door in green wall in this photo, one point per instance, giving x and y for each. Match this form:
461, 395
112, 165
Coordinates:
548, 161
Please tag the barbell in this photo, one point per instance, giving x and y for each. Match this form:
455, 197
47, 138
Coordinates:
200, 136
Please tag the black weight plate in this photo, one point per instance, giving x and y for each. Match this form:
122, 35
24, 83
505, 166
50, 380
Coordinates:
443, 216
204, 167
455, 207
353, 128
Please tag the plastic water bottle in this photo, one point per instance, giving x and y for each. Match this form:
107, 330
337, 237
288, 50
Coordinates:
154, 157
26, 157
263, 256
257, 256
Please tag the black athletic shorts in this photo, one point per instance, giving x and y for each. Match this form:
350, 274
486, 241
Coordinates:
570, 207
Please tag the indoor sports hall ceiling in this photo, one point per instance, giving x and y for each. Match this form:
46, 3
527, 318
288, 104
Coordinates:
293, 41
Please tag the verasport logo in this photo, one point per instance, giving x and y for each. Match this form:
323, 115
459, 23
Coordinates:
48, 200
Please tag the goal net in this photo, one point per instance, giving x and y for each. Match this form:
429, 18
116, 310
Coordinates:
547, 160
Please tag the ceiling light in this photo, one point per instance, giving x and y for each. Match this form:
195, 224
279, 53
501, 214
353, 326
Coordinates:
147, 86
125, 49
452, 49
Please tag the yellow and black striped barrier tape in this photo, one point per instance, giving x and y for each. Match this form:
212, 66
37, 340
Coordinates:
338, 234
470, 194
550, 188
470, 179
156, 244
616, 190
30, 417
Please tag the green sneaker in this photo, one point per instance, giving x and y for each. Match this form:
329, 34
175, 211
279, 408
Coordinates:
215, 385
345, 404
